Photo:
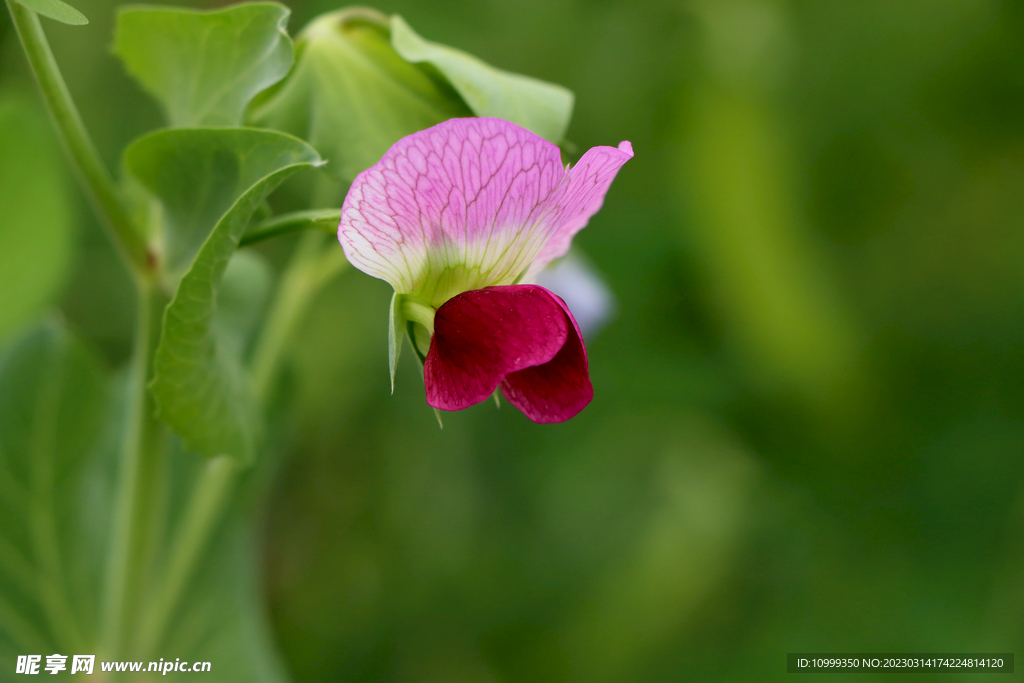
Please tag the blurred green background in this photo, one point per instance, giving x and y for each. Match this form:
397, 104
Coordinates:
806, 432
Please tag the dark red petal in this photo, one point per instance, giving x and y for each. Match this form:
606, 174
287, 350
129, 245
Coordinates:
558, 389
484, 334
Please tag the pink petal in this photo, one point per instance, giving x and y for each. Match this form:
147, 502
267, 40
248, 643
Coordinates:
558, 389
482, 335
460, 206
579, 198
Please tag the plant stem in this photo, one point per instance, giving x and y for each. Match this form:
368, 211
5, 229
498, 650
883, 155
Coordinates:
310, 268
198, 522
91, 172
139, 475
325, 220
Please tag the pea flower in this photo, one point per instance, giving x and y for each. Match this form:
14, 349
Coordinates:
458, 219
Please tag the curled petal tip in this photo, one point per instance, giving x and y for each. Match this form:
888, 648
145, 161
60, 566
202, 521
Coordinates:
627, 147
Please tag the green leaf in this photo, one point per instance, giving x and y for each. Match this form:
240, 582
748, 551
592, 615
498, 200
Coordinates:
55, 9
538, 106
350, 94
198, 174
210, 181
205, 67
224, 619
35, 228
53, 496
59, 423
243, 294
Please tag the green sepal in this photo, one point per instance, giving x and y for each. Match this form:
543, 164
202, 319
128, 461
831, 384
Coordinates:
418, 338
541, 107
56, 10
396, 335
204, 67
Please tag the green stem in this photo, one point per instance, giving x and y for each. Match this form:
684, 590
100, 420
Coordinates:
198, 522
91, 172
315, 219
310, 268
139, 474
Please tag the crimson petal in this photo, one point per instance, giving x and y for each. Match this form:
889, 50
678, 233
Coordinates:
558, 389
482, 335
520, 336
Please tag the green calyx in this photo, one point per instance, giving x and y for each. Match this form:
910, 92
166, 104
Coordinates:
409, 316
